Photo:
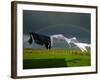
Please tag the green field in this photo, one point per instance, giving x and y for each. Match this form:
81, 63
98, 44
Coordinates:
42, 58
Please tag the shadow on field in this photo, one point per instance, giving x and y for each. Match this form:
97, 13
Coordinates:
43, 63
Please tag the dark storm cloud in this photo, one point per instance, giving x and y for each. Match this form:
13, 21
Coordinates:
35, 20
49, 23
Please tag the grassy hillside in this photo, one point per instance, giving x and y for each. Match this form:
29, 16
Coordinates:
42, 58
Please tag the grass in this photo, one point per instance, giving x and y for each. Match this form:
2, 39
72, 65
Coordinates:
42, 58
44, 63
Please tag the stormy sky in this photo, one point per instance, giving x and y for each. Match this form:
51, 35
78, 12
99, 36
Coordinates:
50, 23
